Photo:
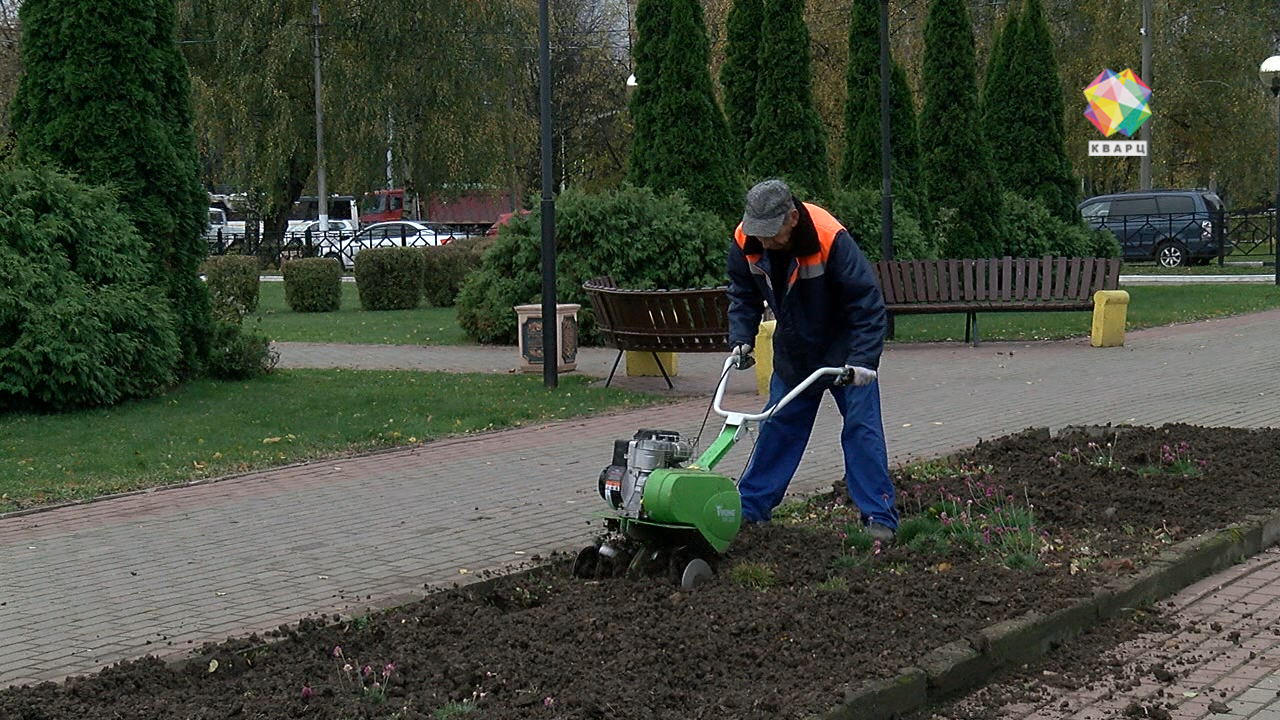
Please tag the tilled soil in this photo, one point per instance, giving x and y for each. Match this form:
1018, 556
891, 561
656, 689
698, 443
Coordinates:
547, 645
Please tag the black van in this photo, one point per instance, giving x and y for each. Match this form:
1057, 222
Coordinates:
1172, 227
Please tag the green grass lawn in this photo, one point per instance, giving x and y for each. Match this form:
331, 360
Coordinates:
350, 324
205, 428
1234, 266
1149, 306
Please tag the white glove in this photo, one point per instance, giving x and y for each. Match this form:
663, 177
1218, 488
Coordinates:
856, 376
742, 357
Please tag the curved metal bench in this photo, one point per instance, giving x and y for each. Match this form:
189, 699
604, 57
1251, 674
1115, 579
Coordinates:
654, 321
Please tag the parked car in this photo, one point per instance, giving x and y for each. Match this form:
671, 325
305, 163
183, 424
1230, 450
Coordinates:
396, 233
1172, 227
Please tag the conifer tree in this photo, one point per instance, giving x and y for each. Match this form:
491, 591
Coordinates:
687, 143
107, 96
956, 160
999, 87
787, 137
1037, 167
860, 167
738, 74
653, 21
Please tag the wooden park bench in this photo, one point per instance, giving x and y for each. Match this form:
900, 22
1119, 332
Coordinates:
659, 321
994, 285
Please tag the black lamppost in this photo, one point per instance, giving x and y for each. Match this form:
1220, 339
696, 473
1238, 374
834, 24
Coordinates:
550, 359
886, 162
1270, 74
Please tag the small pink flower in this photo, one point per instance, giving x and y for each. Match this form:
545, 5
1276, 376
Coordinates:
306, 693
386, 671
366, 671
337, 651
875, 548
548, 701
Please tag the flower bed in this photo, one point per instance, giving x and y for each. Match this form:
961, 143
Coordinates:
803, 610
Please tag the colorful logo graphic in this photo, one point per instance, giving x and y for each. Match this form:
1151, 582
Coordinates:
1117, 102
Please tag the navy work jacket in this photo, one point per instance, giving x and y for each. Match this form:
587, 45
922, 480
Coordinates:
832, 312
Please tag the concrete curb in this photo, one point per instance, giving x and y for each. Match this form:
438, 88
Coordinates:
967, 664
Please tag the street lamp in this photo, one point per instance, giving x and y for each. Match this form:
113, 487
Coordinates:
1270, 74
886, 161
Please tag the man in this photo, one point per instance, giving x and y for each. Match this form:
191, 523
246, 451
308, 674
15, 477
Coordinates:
801, 261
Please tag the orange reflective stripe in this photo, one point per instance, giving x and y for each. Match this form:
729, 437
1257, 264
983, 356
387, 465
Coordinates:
826, 227
740, 238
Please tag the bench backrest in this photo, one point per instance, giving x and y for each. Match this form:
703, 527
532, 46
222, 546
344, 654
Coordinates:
1008, 279
689, 320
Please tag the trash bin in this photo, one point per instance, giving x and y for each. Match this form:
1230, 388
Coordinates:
529, 333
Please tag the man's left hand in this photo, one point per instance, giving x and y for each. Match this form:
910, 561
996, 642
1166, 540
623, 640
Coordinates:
856, 376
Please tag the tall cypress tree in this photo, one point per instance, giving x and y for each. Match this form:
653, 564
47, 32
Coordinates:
1038, 166
956, 159
787, 137
653, 21
688, 146
741, 68
860, 165
999, 89
105, 94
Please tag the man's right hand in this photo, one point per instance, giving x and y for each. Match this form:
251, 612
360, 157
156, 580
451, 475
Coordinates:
742, 356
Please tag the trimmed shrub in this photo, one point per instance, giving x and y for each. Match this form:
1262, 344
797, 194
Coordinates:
239, 353
233, 284
312, 284
389, 278
1032, 231
446, 267
641, 239
859, 211
79, 325
1103, 243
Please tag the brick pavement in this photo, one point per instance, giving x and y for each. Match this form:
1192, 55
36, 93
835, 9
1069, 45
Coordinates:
160, 572
1225, 653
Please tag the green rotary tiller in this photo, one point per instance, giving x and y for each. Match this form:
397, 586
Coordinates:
670, 514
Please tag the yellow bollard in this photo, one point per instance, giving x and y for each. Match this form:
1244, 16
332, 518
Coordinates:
764, 356
641, 364
1109, 309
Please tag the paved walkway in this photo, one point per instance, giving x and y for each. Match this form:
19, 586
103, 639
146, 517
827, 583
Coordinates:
161, 572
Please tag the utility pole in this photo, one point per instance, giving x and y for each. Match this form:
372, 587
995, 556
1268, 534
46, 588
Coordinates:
886, 155
1145, 133
550, 359
321, 190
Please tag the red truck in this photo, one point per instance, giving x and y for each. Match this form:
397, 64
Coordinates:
474, 211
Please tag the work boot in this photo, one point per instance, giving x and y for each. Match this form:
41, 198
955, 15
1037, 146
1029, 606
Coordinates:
881, 533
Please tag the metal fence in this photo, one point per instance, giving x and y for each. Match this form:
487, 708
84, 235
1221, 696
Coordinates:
272, 249
1251, 234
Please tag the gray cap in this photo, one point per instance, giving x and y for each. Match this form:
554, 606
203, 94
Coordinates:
767, 206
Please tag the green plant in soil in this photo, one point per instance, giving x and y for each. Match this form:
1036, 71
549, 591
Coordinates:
757, 576
979, 517
1176, 460
1094, 454
452, 710
833, 584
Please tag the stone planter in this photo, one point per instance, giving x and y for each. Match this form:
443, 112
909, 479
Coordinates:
529, 332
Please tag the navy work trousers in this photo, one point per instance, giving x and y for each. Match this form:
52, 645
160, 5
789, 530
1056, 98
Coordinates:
785, 434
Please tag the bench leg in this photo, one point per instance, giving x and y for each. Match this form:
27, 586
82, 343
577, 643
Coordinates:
658, 361
615, 368
971, 328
